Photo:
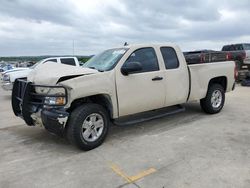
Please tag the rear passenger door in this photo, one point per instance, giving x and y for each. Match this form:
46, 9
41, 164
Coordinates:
176, 77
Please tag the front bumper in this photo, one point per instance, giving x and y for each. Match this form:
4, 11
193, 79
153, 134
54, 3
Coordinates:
30, 106
8, 86
54, 120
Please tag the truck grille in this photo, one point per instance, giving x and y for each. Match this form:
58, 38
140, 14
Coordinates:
26, 101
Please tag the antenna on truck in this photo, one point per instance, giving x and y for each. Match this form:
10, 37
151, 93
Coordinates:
73, 47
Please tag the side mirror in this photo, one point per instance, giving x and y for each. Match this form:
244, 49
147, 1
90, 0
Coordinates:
131, 67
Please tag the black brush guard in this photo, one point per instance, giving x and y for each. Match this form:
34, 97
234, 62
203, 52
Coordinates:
25, 101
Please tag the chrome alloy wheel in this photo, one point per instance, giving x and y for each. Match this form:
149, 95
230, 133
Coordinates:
216, 99
92, 127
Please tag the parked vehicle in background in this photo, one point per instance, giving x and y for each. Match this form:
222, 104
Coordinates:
10, 77
5, 68
246, 81
124, 85
240, 53
12, 70
206, 56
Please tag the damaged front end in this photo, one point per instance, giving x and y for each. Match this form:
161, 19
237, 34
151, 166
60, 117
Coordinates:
40, 105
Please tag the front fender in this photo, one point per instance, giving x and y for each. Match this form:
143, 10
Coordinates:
102, 83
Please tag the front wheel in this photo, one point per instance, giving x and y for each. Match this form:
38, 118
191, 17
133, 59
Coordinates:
88, 126
214, 100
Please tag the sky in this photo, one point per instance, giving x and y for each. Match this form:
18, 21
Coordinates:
53, 27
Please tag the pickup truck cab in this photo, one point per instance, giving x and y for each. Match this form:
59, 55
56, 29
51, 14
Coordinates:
9, 77
119, 85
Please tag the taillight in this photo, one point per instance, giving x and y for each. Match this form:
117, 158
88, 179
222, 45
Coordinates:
229, 56
236, 73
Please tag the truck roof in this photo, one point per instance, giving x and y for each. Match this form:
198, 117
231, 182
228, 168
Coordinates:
148, 44
60, 57
236, 44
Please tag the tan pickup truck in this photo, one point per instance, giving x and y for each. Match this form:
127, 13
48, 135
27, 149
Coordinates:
123, 85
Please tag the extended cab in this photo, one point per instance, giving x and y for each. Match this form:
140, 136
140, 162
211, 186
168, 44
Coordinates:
10, 77
121, 85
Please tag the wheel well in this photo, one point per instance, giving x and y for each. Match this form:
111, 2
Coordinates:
222, 80
101, 99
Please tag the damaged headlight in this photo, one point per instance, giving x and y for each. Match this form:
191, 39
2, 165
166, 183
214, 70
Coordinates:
58, 101
56, 96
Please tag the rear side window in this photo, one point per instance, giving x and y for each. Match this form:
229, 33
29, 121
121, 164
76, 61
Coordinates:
228, 48
68, 61
51, 60
170, 58
225, 48
147, 58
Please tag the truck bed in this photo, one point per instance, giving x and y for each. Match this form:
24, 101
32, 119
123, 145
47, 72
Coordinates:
200, 75
196, 57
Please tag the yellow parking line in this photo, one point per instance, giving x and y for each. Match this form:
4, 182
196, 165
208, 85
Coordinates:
118, 171
131, 179
142, 174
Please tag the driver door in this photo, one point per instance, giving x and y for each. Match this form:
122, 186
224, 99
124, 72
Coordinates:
142, 90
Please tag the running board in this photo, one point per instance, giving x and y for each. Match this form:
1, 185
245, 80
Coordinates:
150, 115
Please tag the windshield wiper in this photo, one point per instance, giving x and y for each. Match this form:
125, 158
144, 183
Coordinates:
96, 69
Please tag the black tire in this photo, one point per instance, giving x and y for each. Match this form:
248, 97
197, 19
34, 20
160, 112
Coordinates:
206, 103
75, 123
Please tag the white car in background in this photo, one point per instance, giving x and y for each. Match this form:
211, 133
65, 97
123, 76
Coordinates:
9, 78
13, 70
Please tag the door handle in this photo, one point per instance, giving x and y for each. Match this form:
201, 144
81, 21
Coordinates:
157, 78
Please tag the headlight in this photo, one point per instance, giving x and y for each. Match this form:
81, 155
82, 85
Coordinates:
6, 77
56, 96
58, 101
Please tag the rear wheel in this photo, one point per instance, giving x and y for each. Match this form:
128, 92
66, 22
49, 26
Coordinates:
214, 100
88, 126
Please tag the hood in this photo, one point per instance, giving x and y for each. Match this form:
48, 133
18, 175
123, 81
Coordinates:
18, 74
50, 73
15, 69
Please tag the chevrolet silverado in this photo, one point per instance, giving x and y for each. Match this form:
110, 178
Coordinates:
122, 85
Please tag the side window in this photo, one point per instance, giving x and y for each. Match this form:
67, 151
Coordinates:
68, 61
226, 48
170, 58
53, 60
147, 58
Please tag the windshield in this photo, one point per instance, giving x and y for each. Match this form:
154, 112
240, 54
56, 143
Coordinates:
34, 66
106, 60
246, 46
